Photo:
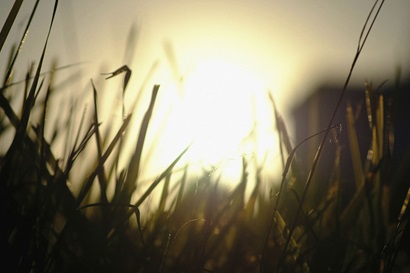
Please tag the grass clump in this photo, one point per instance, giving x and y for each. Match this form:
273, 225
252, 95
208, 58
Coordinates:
197, 226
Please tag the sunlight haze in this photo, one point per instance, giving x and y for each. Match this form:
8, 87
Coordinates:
216, 62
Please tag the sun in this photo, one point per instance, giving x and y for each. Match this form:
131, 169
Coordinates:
218, 98
221, 113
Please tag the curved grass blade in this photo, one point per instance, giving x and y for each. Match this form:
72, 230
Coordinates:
127, 77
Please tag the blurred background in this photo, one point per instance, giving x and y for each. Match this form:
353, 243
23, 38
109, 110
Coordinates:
216, 61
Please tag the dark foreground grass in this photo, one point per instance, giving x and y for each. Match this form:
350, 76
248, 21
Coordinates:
197, 226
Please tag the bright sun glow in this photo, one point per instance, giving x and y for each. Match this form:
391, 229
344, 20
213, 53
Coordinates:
224, 114
218, 100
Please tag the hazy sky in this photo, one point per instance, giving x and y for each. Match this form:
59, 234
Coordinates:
286, 47
288, 43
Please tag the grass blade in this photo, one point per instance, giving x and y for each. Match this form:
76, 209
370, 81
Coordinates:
134, 165
9, 22
89, 181
101, 175
10, 69
354, 148
160, 178
333, 116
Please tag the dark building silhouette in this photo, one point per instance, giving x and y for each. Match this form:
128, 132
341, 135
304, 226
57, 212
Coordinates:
314, 115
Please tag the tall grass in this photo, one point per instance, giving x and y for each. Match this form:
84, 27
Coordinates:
197, 226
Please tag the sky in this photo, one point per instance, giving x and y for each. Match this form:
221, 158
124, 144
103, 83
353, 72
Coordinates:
216, 61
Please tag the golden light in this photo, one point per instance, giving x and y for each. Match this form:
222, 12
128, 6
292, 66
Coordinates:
223, 112
218, 100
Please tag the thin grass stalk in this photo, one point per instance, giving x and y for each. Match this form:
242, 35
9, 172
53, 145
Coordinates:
89, 181
380, 219
321, 146
42, 130
137, 204
9, 61
23, 38
29, 76
282, 131
159, 179
48, 155
73, 153
9, 22
101, 175
134, 166
281, 189
26, 88
396, 235
164, 195
354, 147
22, 125
127, 77
181, 188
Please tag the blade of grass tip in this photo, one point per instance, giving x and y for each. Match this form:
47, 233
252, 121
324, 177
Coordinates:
160, 178
172, 60
71, 155
26, 86
134, 165
181, 188
68, 125
321, 146
119, 182
127, 77
279, 127
78, 150
283, 132
164, 195
163, 175
238, 194
131, 43
101, 173
9, 22
250, 206
88, 182
23, 38
114, 168
144, 83
38, 90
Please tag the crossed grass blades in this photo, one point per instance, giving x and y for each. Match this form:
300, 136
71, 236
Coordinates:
197, 226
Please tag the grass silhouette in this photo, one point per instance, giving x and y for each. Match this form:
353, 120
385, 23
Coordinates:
198, 226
